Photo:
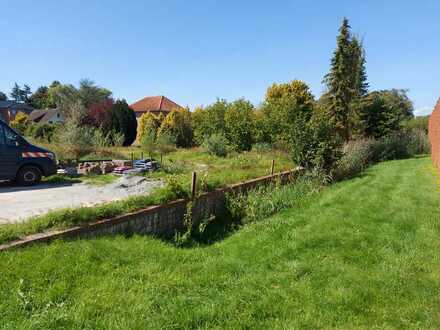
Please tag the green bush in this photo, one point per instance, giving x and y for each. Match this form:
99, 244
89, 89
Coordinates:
418, 141
217, 145
359, 154
42, 132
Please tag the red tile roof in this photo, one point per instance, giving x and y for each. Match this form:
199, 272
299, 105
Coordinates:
155, 104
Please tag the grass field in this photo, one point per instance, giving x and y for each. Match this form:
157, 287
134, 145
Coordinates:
363, 253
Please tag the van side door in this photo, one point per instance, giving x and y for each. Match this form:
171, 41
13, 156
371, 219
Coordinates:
10, 153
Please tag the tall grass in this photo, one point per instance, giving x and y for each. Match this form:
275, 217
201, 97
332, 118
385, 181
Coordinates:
264, 201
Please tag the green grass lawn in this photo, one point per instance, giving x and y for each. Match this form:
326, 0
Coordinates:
363, 253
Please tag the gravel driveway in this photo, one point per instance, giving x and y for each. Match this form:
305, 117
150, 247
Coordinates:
20, 203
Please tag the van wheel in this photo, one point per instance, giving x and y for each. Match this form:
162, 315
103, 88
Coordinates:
28, 176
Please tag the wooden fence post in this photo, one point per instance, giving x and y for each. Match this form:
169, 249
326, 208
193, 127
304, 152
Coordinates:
193, 185
272, 167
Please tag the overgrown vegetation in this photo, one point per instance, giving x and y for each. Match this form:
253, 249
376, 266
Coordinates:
360, 154
176, 172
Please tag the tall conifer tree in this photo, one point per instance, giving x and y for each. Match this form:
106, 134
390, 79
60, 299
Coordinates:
346, 82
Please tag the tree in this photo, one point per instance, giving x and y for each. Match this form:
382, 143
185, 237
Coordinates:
40, 99
148, 125
78, 139
99, 115
26, 93
65, 97
210, 120
178, 124
360, 80
3, 96
124, 121
197, 123
385, 112
148, 141
239, 122
15, 93
20, 95
283, 104
90, 93
296, 89
346, 81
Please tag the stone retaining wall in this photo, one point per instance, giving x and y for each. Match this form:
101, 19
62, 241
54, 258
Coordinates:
161, 220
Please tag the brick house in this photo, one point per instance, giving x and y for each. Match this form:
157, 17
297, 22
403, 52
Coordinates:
155, 105
9, 109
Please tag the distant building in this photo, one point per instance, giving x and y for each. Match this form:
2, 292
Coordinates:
9, 109
155, 105
48, 116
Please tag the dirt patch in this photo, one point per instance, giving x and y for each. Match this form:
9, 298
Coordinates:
17, 204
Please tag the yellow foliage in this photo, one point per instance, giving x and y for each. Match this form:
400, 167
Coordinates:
296, 89
20, 119
178, 125
146, 123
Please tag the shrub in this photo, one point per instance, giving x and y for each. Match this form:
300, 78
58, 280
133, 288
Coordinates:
239, 122
148, 125
314, 143
418, 141
394, 146
148, 141
217, 145
359, 154
77, 139
42, 132
210, 120
178, 124
165, 143
20, 122
173, 168
176, 186
124, 121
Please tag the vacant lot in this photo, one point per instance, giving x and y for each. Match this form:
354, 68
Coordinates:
360, 254
176, 174
20, 203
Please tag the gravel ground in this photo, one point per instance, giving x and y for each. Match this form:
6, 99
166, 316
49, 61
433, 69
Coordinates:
20, 203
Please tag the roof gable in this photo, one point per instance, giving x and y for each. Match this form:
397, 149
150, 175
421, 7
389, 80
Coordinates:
43, 116
155, 104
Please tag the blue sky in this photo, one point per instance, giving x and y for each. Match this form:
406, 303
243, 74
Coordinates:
196, 51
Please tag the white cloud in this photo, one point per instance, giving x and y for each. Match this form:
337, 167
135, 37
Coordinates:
423, 111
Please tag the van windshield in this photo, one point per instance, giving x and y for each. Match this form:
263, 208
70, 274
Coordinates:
8, 137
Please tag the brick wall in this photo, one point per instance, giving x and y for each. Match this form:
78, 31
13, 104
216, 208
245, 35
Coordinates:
161, 220
434, 134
